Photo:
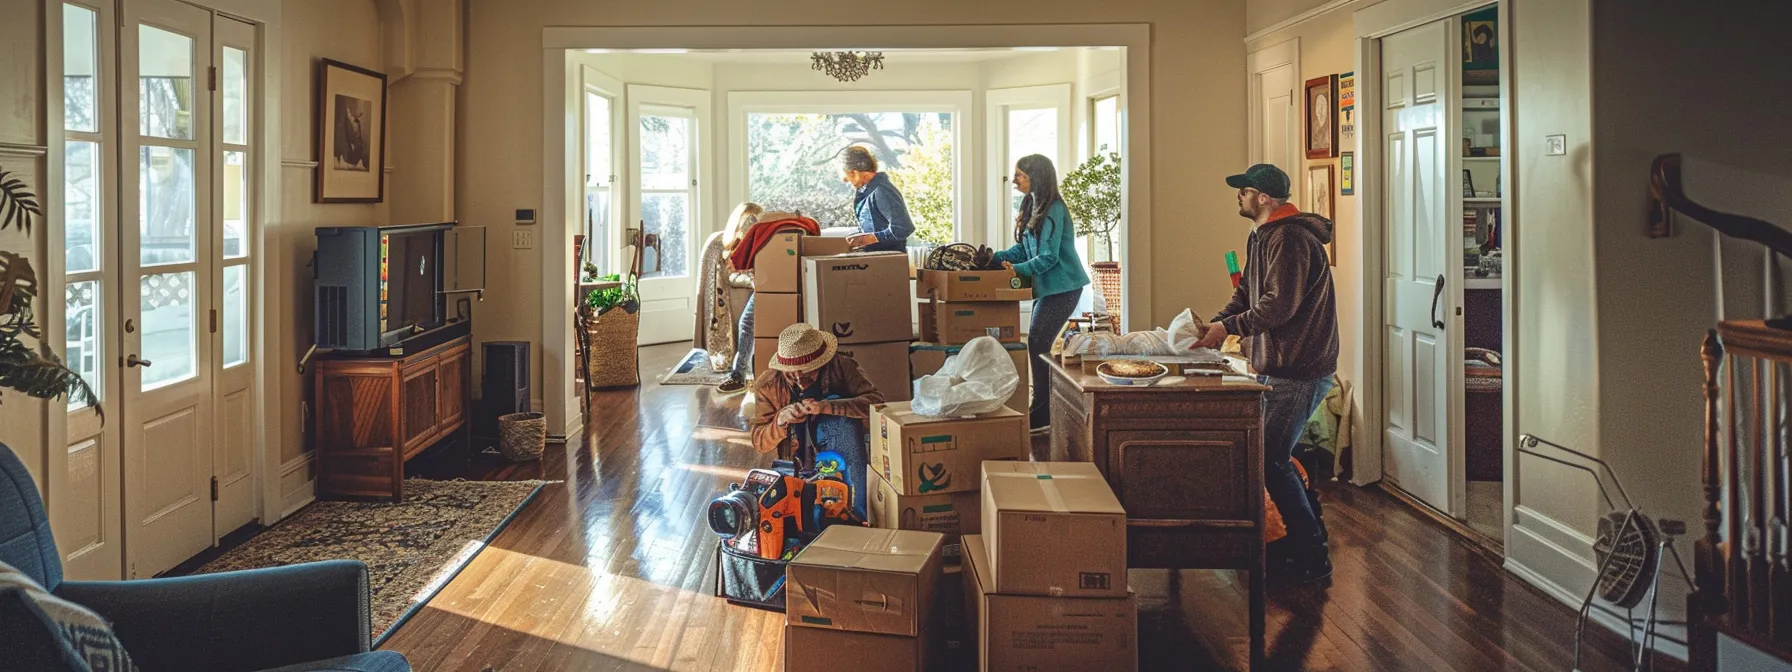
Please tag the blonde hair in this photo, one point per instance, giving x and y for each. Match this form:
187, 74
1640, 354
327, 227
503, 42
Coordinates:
740, 221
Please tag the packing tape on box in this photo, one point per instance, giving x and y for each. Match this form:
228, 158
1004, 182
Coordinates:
1049, 488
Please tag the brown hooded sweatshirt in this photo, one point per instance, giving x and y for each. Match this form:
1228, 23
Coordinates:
1285, 307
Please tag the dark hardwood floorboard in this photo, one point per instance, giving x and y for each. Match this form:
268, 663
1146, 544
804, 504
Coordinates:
611, 569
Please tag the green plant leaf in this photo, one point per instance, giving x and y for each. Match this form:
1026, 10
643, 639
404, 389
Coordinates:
17, 204
38, 373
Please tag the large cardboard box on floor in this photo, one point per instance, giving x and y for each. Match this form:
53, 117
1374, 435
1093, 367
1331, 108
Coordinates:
955, 286
1039, 633
958, 323
773, 312
951, 514
1053, 528
865, 579
763, 351
885, 365
778, 267
858, 297
818, 650
922, 455
925, 359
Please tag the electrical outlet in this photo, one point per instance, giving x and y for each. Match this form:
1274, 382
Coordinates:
522, 240
1555, 145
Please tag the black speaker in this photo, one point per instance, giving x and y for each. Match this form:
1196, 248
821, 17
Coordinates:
505, 388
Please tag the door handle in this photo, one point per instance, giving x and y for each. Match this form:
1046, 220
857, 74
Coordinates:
1435, 295
134, 360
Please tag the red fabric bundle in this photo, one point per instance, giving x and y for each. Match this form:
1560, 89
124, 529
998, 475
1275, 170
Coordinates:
755, 238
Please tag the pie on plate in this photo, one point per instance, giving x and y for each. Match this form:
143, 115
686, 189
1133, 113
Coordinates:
1132, 368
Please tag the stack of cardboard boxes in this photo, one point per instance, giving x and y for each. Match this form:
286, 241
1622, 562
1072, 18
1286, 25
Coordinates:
1045, 582
778, 287
864, 599
857, 297
924, 470
961, 305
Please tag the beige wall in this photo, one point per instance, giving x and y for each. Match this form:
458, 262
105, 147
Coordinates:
501, 169
22, 138
1261, 14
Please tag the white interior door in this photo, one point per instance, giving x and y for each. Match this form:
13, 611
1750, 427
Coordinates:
1419, 370
667, 139
1276, 110
167, 182
231, 329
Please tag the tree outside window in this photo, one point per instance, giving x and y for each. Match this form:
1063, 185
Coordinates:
794, 164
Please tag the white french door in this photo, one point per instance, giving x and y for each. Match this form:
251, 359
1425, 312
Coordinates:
1023, 121
668, 157
1423, 335
233, 394
602, 102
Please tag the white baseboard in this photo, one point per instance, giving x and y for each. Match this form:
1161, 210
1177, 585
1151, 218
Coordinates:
291, 502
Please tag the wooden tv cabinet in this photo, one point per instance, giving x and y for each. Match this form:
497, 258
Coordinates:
374, 413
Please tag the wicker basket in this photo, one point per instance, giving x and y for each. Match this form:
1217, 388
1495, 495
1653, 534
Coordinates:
1107, 279
612, 359
521, 436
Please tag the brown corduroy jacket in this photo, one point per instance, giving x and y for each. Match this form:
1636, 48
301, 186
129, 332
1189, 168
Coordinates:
773, 391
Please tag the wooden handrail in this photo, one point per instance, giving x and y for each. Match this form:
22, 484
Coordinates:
1666, 195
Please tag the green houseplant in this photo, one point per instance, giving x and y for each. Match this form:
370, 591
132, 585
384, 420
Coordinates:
603, 300
35, 371
1092, 194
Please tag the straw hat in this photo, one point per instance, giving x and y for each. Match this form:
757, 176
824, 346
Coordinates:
802, 348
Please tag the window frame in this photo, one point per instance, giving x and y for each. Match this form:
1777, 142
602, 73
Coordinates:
997, 103
693, 104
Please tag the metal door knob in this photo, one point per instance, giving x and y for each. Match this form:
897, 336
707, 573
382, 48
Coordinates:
134, 360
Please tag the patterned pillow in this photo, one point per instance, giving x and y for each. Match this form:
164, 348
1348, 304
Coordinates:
87, 637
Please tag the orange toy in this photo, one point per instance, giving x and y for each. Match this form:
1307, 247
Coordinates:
1273, 527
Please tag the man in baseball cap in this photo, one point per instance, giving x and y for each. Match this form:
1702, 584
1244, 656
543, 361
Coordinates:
1285, 309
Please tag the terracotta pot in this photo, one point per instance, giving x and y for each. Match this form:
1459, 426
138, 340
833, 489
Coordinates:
1107, 278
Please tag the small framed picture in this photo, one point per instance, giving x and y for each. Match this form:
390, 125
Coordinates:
1319, 191
351, 134
1322, 126
1468, 184
1347, 173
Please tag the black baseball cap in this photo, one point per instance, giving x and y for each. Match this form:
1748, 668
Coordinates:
1262, 177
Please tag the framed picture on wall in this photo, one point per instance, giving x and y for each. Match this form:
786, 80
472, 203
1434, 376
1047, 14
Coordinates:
1320, 200
1347, 174
351, 134
1322, 122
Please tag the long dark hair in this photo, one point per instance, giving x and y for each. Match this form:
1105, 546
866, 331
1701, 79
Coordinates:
1039, 200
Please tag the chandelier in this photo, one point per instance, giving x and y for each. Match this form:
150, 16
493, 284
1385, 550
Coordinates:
847, 66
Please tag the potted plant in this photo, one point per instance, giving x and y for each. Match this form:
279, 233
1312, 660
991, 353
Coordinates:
1092, 194
35, 371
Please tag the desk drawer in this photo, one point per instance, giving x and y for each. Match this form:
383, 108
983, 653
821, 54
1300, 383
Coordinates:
1184, 475
1163, 545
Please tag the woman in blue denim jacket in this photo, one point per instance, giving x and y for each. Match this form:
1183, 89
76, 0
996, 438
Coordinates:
884, 224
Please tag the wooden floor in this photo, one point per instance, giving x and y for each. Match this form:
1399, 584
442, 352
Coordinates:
612, 570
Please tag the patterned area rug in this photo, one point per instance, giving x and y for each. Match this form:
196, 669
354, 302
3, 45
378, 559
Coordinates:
411, 548
694, 370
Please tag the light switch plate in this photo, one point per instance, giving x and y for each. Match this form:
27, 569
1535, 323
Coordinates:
1555, 145
522, 240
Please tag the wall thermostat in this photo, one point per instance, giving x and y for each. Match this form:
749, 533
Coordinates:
525, 216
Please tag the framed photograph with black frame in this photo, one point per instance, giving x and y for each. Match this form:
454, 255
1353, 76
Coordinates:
1322, 123
351, 134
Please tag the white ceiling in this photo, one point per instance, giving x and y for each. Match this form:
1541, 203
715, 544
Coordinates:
891, 56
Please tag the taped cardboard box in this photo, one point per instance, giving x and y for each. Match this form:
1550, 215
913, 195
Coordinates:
778, 267
1035, 632
974, 286
924, 359
951, 514
885, 365
865, 580
858, 297
818, 650
773, 312
958, 323
763, 351
922, 455
1053, 528
825, 245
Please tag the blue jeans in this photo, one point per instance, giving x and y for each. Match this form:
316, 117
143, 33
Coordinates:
847, 437
1049, 315
1286, 408
743, 343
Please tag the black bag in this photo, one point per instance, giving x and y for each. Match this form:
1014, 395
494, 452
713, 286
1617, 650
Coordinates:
749, 580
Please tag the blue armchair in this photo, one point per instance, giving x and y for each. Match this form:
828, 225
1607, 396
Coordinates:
312, 616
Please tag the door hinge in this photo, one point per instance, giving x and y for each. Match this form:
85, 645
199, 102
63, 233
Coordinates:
212, 78
214, 488
214, 320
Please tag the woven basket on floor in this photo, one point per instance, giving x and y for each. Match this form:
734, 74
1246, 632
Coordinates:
521, 436
612, 360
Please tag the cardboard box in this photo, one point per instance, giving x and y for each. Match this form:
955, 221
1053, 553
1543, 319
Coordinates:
1053, 528
857, 297
952, 514
925, 359
958, 323
921, 455
824, 245
1033, 632
773, 312
763, 350
974, 286
818, 650
865, 580
777, 267
886, 364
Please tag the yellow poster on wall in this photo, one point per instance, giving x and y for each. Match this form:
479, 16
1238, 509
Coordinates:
1347, 108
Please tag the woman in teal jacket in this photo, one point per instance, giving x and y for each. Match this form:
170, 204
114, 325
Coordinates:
1045, 251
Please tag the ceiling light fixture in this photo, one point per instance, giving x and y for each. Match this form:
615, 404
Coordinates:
846, 66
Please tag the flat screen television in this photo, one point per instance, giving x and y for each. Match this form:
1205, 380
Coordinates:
378, 285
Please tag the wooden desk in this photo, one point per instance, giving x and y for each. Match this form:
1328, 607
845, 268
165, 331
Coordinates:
1185, 460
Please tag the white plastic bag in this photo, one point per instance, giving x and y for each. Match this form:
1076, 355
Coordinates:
979, 379
1185, 331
